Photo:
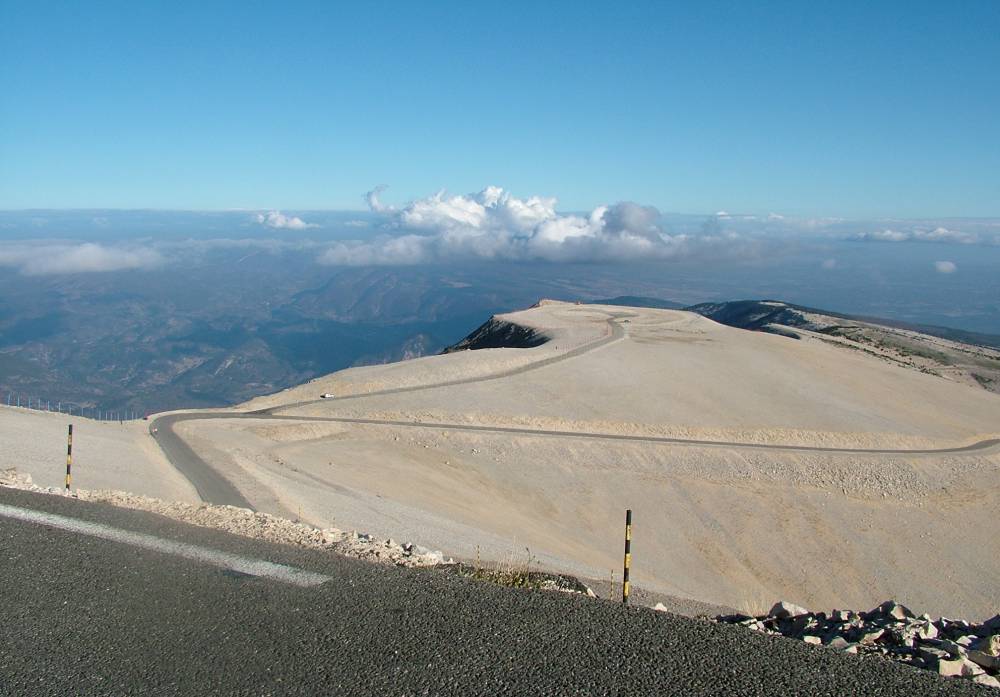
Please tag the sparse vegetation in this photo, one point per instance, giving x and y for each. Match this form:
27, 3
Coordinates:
983, 380
506, 571
512, 572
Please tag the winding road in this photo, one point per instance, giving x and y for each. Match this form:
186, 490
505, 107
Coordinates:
212, 487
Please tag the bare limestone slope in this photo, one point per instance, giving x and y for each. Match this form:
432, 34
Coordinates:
770, 488
107, 455
733, 524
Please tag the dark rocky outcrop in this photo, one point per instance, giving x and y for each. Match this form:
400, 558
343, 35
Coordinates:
498, 333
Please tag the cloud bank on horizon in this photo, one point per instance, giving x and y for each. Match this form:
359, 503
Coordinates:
919, 234
495, 225
490, 225
88, 257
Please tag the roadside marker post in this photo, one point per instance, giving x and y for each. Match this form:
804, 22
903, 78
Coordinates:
628, 555
69, 457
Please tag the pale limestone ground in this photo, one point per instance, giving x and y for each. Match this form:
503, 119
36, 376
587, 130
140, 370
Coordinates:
735, 526
677, 370
566, 333
728, 525
106, 455
719, 525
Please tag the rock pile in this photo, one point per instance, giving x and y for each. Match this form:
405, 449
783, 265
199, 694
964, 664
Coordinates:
952, 648
261, 526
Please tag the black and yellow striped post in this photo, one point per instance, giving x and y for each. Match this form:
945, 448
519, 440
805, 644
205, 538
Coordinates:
628, 555
69, 457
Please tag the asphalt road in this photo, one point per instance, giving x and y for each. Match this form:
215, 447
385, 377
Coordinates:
214, 488
210, 485
82, 615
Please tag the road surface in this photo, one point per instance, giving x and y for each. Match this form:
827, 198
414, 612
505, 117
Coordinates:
83, 614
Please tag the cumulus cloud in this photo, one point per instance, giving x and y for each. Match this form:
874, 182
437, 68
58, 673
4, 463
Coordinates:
48, 259
277, 219
945, 266
493, 224
372, 199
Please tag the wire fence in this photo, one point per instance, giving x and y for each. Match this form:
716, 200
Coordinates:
20, 400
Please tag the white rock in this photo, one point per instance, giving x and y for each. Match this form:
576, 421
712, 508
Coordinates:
784, 609
810, 639
987, 680
893, 609
660, 607
871, 637
959, 668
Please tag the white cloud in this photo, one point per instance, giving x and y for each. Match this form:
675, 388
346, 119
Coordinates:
372, 199
493, 224
942, 234
918, 234
945, 266
277, 219
885, 236
47, 259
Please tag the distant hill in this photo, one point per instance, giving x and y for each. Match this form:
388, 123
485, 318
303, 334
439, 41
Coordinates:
638, 301
757, 314
958, 355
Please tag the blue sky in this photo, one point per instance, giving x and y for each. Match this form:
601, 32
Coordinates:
885, 110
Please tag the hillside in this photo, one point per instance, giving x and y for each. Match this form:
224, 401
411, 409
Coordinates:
757, 466
747, 457
966, 357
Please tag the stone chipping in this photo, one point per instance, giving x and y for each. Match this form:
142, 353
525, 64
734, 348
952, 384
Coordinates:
950, 647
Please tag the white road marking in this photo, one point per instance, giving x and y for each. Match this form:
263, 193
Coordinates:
235, 562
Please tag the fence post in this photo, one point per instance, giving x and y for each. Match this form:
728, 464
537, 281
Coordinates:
69, 457
628, 555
